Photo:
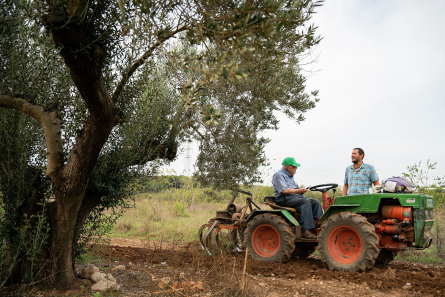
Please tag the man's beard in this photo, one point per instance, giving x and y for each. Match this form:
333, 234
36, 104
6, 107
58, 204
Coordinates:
355, 161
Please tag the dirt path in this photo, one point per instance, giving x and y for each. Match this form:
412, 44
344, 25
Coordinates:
297, 277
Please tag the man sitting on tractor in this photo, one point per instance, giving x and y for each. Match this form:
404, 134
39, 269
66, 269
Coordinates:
288, 194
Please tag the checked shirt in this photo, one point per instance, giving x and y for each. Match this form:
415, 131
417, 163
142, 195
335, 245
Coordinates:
361, 180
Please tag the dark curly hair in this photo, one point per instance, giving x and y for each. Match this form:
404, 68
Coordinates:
360, 152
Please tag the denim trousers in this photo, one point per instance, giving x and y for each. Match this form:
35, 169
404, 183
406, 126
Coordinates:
309, 209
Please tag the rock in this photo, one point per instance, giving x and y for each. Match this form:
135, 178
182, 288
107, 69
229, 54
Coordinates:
119, 268
164, 282
407, 286
97, 276
87, 271
379, 284
292, 275
262, 284
86, 282
430, 274
104, 285
96, 269
110, 278
188, 285
100, 276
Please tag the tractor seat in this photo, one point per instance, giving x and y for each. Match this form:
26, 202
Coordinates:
270, 200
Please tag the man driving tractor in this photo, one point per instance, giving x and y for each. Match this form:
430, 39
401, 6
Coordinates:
288, 194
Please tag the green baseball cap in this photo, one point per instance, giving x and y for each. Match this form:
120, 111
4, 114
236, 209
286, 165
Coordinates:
290, 161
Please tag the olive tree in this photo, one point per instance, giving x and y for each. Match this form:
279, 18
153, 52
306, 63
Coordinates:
95, 91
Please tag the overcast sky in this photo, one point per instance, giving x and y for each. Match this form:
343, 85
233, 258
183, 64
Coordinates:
381, 80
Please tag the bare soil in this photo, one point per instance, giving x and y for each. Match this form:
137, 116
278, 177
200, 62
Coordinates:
296, 277
149, 266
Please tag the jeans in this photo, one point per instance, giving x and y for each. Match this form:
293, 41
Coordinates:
309, 209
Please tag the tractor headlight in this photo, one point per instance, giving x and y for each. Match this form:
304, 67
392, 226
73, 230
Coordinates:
429, 203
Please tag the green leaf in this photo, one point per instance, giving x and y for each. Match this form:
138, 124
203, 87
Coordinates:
225, 73
121, 6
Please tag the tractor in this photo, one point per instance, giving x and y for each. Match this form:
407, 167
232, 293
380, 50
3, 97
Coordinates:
354, 233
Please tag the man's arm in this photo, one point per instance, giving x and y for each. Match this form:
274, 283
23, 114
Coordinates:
345, 186
294, 191
374, 176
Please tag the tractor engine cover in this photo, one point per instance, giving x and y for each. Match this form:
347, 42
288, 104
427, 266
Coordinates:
389, 229
401, 213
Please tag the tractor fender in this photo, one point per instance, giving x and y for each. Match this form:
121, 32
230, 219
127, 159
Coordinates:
334, 209
281, 212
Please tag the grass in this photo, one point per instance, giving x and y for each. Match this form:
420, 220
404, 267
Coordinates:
175, 215
427, 256
89, 257
170, 219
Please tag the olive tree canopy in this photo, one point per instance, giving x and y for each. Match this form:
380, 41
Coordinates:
93, 92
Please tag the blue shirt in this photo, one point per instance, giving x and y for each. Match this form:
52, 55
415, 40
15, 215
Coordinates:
281, 181
361, 180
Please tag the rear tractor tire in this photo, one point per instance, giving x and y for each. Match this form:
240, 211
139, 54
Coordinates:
347, 242
269, 238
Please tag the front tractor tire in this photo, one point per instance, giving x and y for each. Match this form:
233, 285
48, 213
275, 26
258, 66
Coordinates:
347, 242
269, 238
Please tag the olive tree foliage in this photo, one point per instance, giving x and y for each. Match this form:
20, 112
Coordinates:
95, 94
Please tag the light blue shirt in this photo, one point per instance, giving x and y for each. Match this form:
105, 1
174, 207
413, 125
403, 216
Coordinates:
281, 181
361, 180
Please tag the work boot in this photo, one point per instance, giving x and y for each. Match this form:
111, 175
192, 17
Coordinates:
308, 235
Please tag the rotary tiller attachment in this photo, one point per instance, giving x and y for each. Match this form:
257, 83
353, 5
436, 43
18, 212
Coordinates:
205, 239
226, 230
212, 237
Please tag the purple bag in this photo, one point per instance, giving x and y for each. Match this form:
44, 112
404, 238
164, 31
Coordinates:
398, 185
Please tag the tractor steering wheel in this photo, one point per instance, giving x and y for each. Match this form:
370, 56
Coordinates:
323, 188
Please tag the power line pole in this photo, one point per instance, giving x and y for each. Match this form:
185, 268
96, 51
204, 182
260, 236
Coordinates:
188, 159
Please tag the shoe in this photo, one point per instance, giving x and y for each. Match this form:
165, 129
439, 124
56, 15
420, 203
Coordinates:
308, 235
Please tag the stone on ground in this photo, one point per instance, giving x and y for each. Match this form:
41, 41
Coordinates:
105, 285
119, 268
100, 276
87, 271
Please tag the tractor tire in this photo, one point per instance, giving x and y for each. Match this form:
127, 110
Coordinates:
385, 257
303, 251
347, 242
269, 238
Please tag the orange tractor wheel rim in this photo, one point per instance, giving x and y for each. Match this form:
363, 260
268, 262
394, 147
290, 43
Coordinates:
345, 244
266, 241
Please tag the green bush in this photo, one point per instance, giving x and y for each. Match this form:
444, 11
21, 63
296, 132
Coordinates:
179, 209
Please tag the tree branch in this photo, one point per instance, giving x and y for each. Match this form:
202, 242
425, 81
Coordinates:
50, 123
141, 61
